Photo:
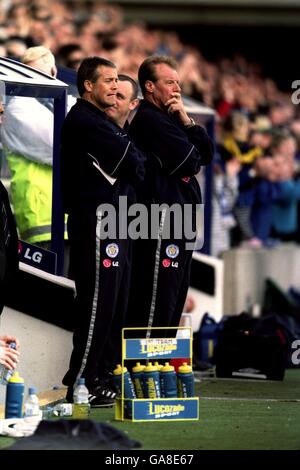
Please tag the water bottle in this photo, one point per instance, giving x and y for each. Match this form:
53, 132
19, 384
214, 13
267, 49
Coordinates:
208, 335
158, 365
31, 405
60, 409
151, 382
128, 388
6, 373
81, 406
185, 381
168, 381
14, 396
137, 379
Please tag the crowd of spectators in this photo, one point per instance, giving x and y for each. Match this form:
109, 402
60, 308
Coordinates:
256, 185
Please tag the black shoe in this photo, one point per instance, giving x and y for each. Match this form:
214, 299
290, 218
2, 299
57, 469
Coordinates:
97, 400
99, 396
107, 382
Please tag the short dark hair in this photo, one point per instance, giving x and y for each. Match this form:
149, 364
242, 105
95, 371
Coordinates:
88, 71
135, 88
147, 68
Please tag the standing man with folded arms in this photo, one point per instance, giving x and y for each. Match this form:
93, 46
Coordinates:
99, 164
176, 149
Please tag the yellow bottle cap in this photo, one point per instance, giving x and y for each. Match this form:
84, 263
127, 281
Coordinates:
167, 367
15, 378
119, 370
159, 366
150, 368
185, 368
138, 367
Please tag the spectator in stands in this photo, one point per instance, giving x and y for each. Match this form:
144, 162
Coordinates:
15, 47
284, 211
176, 149
99, 164
235, 143
261, 133
224, 196
27, 134
70, 55
264, 192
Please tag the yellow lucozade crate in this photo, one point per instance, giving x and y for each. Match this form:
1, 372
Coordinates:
156, 409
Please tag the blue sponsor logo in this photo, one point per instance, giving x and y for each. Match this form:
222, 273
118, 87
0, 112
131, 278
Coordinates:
166, 409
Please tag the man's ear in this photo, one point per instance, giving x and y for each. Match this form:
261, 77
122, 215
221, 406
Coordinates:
133, 104
149, 86
88, 86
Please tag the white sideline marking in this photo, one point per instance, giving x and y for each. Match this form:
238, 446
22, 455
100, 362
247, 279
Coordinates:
286, 400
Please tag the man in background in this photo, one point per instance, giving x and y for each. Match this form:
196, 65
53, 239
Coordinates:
27, 136
125, 105
126, 101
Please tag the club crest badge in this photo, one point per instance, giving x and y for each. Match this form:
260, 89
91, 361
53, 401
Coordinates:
112, 250
172, 251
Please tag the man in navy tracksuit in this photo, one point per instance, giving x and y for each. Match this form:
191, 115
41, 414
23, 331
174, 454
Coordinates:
99, 164
176, 149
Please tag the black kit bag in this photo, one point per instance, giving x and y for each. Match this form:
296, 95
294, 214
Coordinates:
252, 343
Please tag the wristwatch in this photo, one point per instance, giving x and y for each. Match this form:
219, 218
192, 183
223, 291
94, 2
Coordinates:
191, 124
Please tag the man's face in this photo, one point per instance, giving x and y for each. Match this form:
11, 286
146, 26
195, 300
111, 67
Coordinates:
102, 93
166, 85
124, 103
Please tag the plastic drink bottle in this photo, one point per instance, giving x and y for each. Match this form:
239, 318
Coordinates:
158, 365
151, 381
185, 381
128, 388
137, 379
81, 407
6, 373
14, 396
31, 405
168, 381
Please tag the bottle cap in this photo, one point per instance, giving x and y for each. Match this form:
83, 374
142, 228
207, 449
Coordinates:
167, 367
150, 368
119, 370
31, 391
138, 367
185, 368
159, 366
81, 381
15, 378
13, 345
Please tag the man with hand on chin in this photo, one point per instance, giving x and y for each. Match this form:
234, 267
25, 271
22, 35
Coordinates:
176, 149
